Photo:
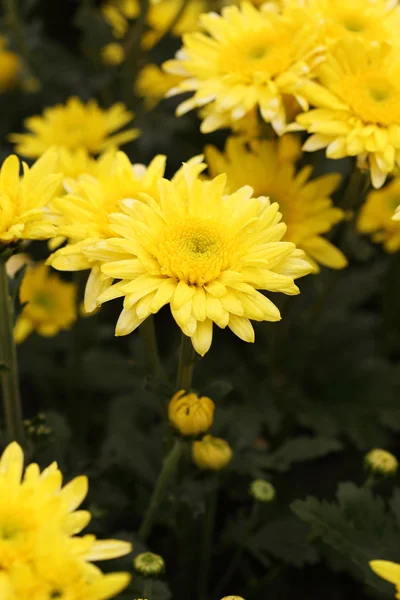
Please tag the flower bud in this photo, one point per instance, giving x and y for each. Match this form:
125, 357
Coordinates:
113, 54
262, 491
211, 453
381, 462
189, 414
148, 564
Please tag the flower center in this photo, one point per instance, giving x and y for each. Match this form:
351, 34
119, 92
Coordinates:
43, 300
193, 250
373, 98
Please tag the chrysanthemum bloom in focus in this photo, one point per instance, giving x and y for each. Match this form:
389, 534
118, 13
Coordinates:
75, 126
49, 303
84, 214
38, 516
389, 571
211, 453
377, 216
370, 20
245, 60
306, 207
24, 198
381, 462
10, 67
205, 254
191, 414
358, 106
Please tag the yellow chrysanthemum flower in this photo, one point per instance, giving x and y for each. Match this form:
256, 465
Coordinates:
205, 254
75, 126
37, 513
24, 198
10, 67
160, 16
305, 204
358, 106
389, 571
376, 216
246, 59
49, 303
84, 214
371, 20
152, 84
211, 453
381, 462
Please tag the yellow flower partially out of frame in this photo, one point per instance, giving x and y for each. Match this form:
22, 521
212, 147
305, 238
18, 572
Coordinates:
305, 204
24, 198
245, 59
387, 570
75, 126
203, 253
358, 106
377, 216
49, 303
10, 67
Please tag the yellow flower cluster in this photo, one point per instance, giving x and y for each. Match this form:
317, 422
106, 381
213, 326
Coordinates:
341, 57
42, 557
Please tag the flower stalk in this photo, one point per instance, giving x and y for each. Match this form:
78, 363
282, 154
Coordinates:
148, 332
8, 362
147, 589
186, 364
208, 534
130, 67
17, 28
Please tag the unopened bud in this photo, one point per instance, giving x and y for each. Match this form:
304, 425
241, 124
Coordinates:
262, 491
381, 462
148, 564
211, 453
190, 414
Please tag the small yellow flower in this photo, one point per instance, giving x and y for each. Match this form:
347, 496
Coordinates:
10, 67
204, 253
49, 303
75, 126
389, 571
148, 564
377, 216
246, 59
113, 54
189, 414
262, 491
211, 453
381, 462
357, 104
24, 199
152, 84
306, 207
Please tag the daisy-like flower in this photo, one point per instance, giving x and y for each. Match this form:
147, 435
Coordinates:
37, 513
49, 303
358, 106
371, 20
377, 216
306, 207
84, 214
24, 199
389, 571
245, 59
203, 253
75, 126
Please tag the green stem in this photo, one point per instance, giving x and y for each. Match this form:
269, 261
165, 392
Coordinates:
8, 362
174, 21
225, 579
186, 364
148, 332
169, 467
17, 28
206, 550
147, 589
131, 65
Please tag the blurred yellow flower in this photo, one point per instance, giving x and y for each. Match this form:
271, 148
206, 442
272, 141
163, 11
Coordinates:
204, 253
389, 571
211, 453
358, 106
191, 414
152, 84
381, 462
377, 218
245, 59
49, 303
74, 163
10, 67
113, 54
75, 126
306, 206
24, 199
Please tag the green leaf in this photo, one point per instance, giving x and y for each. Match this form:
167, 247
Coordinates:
300, 449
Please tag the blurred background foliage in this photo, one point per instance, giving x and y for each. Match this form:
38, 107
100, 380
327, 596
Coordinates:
299, 408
